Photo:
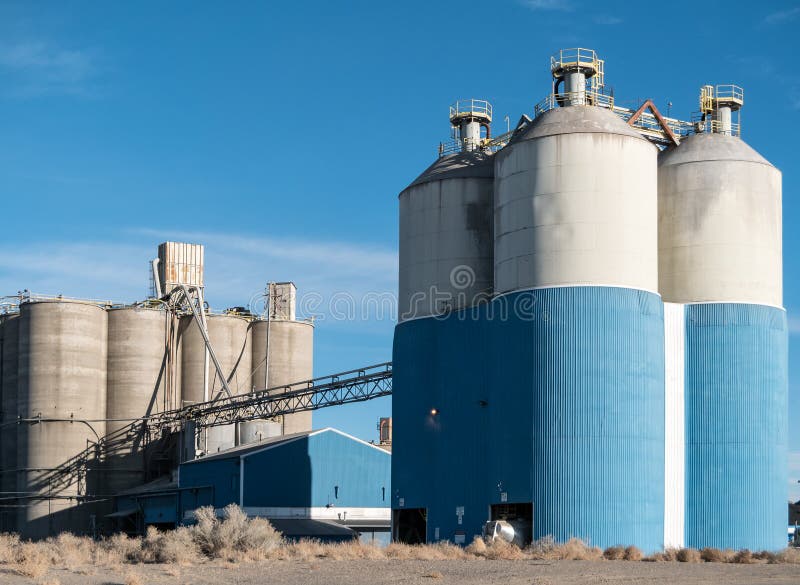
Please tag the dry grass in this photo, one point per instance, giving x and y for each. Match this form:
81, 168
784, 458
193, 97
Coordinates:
614, 553
433, 575
133, 579
715, 555
789, 556
30, 560
688, 555
632, 553
743, 557
233, 538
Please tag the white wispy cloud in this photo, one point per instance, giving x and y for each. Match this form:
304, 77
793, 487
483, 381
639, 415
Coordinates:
782, 16
552, 5
334, 277
39, 68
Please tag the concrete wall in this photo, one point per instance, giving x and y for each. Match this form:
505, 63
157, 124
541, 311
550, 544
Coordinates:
62, 375
575, 203
291, 359
446, 242
720, 223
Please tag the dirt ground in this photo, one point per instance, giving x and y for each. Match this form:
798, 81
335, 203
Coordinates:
368, 572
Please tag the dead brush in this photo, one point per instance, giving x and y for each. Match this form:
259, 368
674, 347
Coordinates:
477, 547
688, 555
30, 560
354, 550
500, 550
69, 550
790, 556
743, 557
543, 548
577, 550
614, 553
174, 546
8, 547
301, 550
633, 553
117, 549
235, 536
715, 555
440, 551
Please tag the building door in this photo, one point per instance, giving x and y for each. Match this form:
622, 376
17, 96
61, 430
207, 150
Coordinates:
410, 525
519, 515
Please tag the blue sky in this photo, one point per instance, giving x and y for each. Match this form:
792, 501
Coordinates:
279, 134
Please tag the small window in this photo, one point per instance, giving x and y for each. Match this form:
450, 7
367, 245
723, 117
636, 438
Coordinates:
336, 492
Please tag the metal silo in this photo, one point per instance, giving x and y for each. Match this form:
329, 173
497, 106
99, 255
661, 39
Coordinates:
580, 360
230, 337
136, 383
9, 333
62, 401
720, 261
446, 223
290, 347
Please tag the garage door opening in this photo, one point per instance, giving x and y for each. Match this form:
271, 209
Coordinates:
520, 516
410, 525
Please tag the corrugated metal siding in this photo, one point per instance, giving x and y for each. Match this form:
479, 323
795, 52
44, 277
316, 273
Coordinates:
573, 417
222, 474
736, 426
598, 416
674, 430
305, 473
438, 462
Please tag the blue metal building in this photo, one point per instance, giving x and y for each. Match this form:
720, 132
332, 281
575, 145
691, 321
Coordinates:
323, 484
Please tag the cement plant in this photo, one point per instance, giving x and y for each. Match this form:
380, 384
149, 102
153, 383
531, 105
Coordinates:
591, 344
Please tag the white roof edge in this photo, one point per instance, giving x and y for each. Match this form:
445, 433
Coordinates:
311, 434
362, 441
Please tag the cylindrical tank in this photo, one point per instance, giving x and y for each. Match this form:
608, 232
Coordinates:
291, 359
719, 224
575, 204
9, 333
62, 382
720, 254
136, 381
579, 362
446, 245
230, 338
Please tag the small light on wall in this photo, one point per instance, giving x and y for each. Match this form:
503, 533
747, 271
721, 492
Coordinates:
434, 411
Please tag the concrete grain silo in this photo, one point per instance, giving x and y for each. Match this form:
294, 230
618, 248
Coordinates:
283, 353
62, 401
576, 260
136, 387
230, 338
446, 223
445, 269
720, 273
9, 354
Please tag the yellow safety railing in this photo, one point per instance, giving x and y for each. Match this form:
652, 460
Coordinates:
580, 58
